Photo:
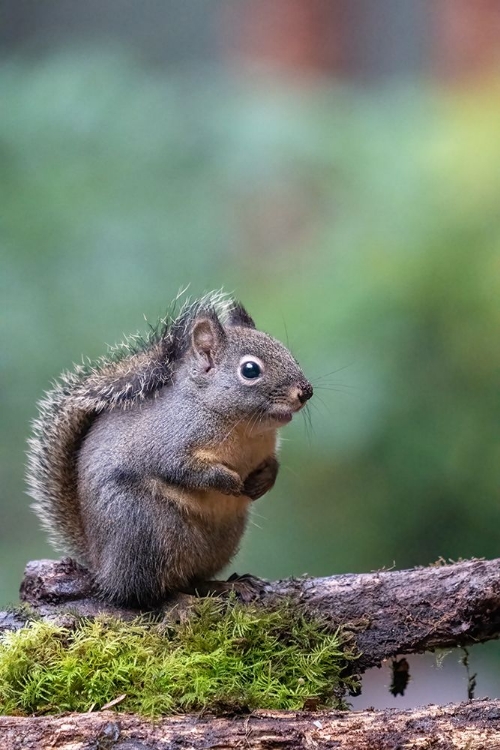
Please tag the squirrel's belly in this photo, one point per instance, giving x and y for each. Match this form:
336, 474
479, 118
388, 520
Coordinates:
210, 524
219, 506
209, 503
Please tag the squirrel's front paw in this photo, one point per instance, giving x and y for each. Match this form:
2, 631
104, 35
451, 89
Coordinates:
261, 479
230, 482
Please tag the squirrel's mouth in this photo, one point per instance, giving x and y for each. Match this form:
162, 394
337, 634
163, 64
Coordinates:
285, 416
285, 408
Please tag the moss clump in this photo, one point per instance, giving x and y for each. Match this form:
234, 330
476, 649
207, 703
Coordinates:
224, 657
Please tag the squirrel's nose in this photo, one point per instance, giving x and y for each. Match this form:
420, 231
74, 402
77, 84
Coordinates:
305, 392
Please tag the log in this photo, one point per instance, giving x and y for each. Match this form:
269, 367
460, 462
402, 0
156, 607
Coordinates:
407, 611
388, 612
474, 725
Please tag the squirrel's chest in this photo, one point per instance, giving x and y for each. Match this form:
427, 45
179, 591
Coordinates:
243, 452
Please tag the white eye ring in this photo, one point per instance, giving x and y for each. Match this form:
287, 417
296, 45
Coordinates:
250, 369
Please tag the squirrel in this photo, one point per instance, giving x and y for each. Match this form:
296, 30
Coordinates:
143, 465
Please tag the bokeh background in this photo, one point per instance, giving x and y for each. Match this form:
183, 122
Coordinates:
336, 165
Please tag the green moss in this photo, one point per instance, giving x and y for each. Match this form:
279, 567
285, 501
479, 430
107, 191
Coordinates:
224, 657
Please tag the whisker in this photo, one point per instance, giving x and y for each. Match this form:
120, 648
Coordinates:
325, 404
308, 423
286, 333
291, 471
306, 429
333, 372
338, 389
259, 515
335, 383
239, 421
255, 418
252, 522
349, 394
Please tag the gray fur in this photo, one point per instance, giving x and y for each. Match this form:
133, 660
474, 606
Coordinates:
143, 466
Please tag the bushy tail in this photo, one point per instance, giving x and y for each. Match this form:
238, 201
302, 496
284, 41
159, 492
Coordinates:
51, 476
66, 413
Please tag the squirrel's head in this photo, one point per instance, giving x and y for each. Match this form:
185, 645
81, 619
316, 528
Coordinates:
244, 372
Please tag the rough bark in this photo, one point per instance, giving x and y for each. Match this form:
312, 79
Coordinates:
389, 612
408, 611
473, 725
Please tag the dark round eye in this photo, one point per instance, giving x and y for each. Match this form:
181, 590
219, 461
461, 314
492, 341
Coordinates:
250, 369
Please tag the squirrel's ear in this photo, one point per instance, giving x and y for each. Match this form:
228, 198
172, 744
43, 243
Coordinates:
207, 338
238, 316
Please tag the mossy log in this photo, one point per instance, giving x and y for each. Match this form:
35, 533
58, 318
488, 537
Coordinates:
389, 612
474, 725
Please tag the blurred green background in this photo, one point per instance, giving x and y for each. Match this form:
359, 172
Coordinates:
354, 208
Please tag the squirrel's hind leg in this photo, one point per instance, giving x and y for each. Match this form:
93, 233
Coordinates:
130, 556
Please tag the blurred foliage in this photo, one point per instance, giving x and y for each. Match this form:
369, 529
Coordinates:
360, 226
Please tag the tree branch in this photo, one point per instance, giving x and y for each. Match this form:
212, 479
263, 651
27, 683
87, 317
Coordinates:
473, 725
407, 611
389, 612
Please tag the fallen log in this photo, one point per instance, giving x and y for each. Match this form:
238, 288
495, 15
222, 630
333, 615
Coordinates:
388, 612
474, 725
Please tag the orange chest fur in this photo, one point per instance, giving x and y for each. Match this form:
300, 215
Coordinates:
241, 450
238, 450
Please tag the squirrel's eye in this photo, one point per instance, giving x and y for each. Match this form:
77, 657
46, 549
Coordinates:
250, 369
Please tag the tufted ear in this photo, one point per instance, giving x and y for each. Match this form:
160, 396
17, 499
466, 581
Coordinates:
207, 339
238, 316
